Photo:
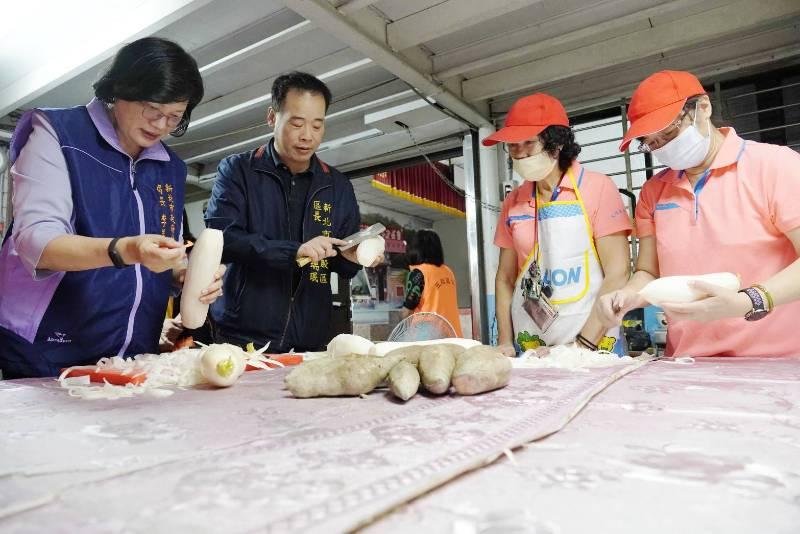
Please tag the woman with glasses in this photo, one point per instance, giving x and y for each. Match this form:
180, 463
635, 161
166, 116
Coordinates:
94, 248
563, 236
724, 204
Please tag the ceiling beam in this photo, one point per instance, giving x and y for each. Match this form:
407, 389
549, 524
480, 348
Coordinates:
368, 36
256, 48
351, 6
730, 21
446, 65
96, 47
445, 18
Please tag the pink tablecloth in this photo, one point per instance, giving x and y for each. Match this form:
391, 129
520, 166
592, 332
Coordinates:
251, 458
712, 447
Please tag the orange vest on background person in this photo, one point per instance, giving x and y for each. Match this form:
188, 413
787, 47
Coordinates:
439, 294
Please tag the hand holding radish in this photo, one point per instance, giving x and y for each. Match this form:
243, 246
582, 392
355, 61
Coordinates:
613, 306
720, 303
155, 252
319, 248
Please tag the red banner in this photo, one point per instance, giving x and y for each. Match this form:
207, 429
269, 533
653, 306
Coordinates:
422, 185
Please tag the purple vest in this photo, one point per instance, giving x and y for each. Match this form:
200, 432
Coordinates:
77, 318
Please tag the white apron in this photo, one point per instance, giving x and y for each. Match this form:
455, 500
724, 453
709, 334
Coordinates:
570, 265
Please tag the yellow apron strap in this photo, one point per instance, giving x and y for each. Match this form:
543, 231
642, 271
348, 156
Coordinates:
585, 214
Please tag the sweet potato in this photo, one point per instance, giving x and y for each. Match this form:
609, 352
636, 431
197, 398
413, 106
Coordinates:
349, 375
481, 369
436, 364
404, 380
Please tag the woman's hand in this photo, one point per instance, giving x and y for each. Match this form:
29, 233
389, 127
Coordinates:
155, 252
613, 306
507, 349
720, 303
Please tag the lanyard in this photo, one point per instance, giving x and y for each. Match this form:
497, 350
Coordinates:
553, 197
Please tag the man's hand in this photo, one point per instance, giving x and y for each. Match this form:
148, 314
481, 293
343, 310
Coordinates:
319, 248
351, 255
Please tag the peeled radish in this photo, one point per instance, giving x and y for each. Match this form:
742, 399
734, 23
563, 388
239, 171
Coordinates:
676, 288
203, 264
222, 364
385, 347
345, 344
369, 250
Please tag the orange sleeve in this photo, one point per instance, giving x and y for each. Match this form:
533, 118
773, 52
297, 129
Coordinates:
610, 216
645, 208
502, 235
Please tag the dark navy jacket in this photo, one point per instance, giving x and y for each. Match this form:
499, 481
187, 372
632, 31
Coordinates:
76, 318
249, 204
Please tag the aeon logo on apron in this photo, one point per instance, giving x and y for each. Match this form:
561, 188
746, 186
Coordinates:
562, 277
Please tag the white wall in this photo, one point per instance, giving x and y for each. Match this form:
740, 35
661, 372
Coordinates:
194, 212
453, 233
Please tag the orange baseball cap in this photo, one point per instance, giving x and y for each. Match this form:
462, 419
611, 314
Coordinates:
657, 102
527, 118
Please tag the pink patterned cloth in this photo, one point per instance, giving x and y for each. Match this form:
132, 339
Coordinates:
252, 458
710, 447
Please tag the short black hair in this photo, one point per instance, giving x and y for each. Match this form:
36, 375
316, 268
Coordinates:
425, 247
300, 81
153, 70
559, 142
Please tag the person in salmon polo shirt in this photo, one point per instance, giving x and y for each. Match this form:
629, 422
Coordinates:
563, 236
723, 204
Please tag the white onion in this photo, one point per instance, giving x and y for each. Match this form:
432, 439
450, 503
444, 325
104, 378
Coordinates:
369, 250
345, 344
222, 365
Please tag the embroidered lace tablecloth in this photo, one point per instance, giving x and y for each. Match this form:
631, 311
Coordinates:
251, 458
712, 447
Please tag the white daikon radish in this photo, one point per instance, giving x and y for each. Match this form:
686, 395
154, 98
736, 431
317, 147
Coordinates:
676, 288
369, 250
385, 347
203, 264
222, 364
345, 344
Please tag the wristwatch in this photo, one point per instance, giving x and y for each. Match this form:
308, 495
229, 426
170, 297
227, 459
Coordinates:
760, 309
116, 257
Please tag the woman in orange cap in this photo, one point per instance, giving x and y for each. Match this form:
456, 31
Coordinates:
724, 204
563, 236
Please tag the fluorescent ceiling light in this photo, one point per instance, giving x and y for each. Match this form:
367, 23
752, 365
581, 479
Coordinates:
196, 123
260, 46
229, 148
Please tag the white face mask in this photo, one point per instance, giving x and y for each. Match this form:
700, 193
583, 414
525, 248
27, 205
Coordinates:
686, 151
534, 168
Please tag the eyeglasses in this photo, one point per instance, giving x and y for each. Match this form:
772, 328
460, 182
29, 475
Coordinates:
531, 147
663, 137
153, 114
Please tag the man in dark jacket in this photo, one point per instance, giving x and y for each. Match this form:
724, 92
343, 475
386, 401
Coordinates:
274, 205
